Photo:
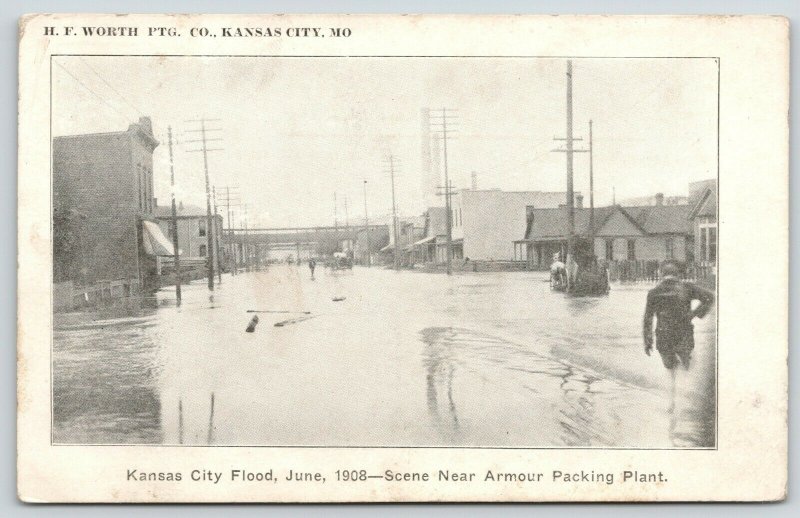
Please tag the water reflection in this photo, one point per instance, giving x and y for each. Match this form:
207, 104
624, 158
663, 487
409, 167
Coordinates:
440, 367
546, 400
104, 387
486, 359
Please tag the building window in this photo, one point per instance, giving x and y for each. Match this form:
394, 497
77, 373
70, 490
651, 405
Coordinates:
149, 190
609, 249
712, 244
631, 249
708, 243
202, 225
202, 250
669, 243
139, 192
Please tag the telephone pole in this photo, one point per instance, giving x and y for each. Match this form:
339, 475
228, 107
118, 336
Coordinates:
209, 222
591, 191
390, 161
177, 260
346, 216
216, 236
246, 254
366, 227
231, 200
444, 123
570, 151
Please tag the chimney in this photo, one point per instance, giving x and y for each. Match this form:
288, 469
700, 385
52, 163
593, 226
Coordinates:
579, 201
659, 199
180, 206
146, 125
474, 181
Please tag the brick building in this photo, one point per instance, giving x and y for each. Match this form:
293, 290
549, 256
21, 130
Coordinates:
192, 236
103, 224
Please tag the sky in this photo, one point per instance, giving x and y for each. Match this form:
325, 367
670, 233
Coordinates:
298, 132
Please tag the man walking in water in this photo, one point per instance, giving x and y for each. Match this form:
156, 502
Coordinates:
671, 303
311, 265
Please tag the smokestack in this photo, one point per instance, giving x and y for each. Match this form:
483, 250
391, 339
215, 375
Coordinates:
474, 181
659, 199
579, 201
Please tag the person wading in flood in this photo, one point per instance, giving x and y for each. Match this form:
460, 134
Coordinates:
671, 303
311, 265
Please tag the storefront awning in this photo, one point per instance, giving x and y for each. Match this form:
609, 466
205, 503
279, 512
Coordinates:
425, 241
154, 241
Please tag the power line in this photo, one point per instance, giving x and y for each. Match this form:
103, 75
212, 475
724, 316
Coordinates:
135, 109
444, 123
209, 226
392, 162
124, 117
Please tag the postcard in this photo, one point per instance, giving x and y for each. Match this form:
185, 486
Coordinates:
387, 258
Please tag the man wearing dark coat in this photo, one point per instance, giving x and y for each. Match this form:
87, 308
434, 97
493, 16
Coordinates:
671, 304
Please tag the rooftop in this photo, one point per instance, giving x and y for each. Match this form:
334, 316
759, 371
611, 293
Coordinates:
662, 219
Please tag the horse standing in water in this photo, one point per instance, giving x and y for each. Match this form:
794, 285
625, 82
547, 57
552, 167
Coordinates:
558, 273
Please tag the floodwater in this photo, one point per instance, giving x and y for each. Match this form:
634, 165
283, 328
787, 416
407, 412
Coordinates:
405, 359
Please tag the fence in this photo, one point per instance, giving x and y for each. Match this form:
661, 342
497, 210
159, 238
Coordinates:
67, 296
649, 271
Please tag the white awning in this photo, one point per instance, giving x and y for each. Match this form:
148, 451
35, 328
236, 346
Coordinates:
425, 240
154, 241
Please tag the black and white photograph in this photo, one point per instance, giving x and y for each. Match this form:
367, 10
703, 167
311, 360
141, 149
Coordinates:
473, 252
402, 258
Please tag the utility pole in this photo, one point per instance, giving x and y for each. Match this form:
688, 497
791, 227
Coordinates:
335, 223
176, 260
570, 157
441, 123
346, 215
346, 220
391, 163
229, 201
209, 222
366, 227
246, 254
216, 236
591, 191
570, 150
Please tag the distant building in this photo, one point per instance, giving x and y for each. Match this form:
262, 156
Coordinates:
409, 230
656, 199
646, 233
434, 233
485, 223
703, 200
103, 223
192, 235
369, 243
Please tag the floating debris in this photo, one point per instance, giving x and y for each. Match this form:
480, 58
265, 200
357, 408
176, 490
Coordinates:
276, 311
293, 321
251, 327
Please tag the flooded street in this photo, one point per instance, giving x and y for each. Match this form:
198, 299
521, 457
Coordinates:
405, 359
